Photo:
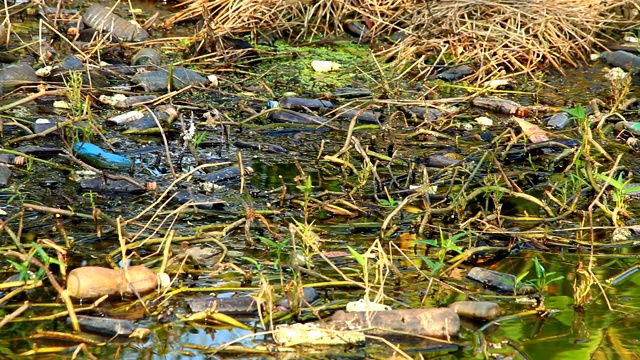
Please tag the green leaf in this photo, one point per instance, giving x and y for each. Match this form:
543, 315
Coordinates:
251, 260
631, 189
430, 242
577, 112
39, 275
270, 243
20, 267
457, 236
40, 251
559, 278
6, 350
454, 247
435, 266
199, 138
384, 202
539, 268
359, 258
57, 262
519, 278
615, 183
346, 269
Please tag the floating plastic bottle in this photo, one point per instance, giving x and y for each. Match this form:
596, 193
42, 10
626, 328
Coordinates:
295, 103
631, 126
295, 118
102, 18
159, 80
92, 282
622, 59
95, 156
147, 56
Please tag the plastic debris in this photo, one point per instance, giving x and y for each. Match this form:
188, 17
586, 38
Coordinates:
314, 334
106, 326
92, 282
493, 279
482, 310
324, 66
440, 322
95, 156
159, 80
295, 103
103, 19
366, 305
622, 59
501, 105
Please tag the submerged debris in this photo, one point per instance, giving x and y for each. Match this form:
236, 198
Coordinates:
439, 323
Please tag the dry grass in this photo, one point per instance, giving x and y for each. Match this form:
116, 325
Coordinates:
512, 34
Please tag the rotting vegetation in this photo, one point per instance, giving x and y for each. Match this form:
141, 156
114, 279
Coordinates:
429, 196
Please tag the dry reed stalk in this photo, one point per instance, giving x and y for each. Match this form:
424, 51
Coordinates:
515, 35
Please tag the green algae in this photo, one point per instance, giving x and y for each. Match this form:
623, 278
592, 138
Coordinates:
291, 71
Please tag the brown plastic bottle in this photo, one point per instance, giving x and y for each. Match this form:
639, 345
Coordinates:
91, 282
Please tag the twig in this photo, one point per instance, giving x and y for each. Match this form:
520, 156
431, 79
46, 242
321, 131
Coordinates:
14, 314
41, 92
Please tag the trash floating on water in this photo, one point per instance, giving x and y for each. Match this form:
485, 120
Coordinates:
95, 156
315, 334
146, 56
106, 326
502, 106
295, 103
439, 322
159, 80
622, 59
482, 310
493, 279
295, 118
103, 19
14, 75
92, 282
324, 66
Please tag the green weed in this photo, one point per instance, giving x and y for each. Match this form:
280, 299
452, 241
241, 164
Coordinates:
543, 278
445, 244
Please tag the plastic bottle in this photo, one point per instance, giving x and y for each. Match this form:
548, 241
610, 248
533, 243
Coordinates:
103, 18
95, 156
295, 118
147, 56
622, 59
295, 103
91, 282
99, 184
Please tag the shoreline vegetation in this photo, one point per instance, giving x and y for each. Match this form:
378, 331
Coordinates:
514, 36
